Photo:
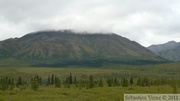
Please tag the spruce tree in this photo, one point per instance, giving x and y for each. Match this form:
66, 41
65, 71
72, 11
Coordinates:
115, 83
40, 81
9, 81
70, 79
20, 81
146, 82
139, 82
67, 83
75, 81
34, 83
52, 79
49, 80
131, 81
12, 85
57, 82
91, 81
4, 84
157, 82
125, 82
109, 82
100, 83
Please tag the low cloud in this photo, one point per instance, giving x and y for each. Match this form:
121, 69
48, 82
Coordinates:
147, 22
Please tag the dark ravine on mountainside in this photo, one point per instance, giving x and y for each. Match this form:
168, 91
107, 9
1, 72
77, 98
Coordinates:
67, 48
169, 50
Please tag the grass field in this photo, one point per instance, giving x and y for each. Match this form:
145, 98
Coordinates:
75, 94
153, 71
114, 93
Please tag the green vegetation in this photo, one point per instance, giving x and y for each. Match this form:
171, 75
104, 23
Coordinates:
66, 48
35, 83
49, 93
87, 84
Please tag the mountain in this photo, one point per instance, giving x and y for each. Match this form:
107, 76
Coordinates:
163, 47
65, 48
169, 50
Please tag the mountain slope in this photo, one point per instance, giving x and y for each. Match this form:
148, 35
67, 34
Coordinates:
163, 47
62, 48
169, 50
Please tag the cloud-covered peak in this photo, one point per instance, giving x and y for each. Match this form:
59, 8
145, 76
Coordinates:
147, 22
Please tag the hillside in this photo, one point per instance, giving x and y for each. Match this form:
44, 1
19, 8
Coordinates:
64, 48
163, 47
169, 50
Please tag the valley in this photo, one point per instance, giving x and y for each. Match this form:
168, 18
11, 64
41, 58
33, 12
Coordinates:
89, 50
169, 72
68, 66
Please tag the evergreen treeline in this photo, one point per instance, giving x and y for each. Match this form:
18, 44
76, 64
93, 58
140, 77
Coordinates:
71, 81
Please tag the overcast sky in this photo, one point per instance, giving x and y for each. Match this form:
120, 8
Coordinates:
144, 21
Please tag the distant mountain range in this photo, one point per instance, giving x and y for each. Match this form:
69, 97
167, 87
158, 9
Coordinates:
169, 50
66, 48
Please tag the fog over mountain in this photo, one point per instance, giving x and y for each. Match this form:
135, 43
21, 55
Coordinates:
138, 20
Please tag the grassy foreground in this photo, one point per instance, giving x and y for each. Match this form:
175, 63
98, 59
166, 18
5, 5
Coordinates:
114, 93
76, 94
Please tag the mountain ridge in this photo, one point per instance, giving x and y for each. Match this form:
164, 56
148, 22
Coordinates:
164, 46
169, 50
63, 48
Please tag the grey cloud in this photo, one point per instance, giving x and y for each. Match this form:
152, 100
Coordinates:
138, 20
